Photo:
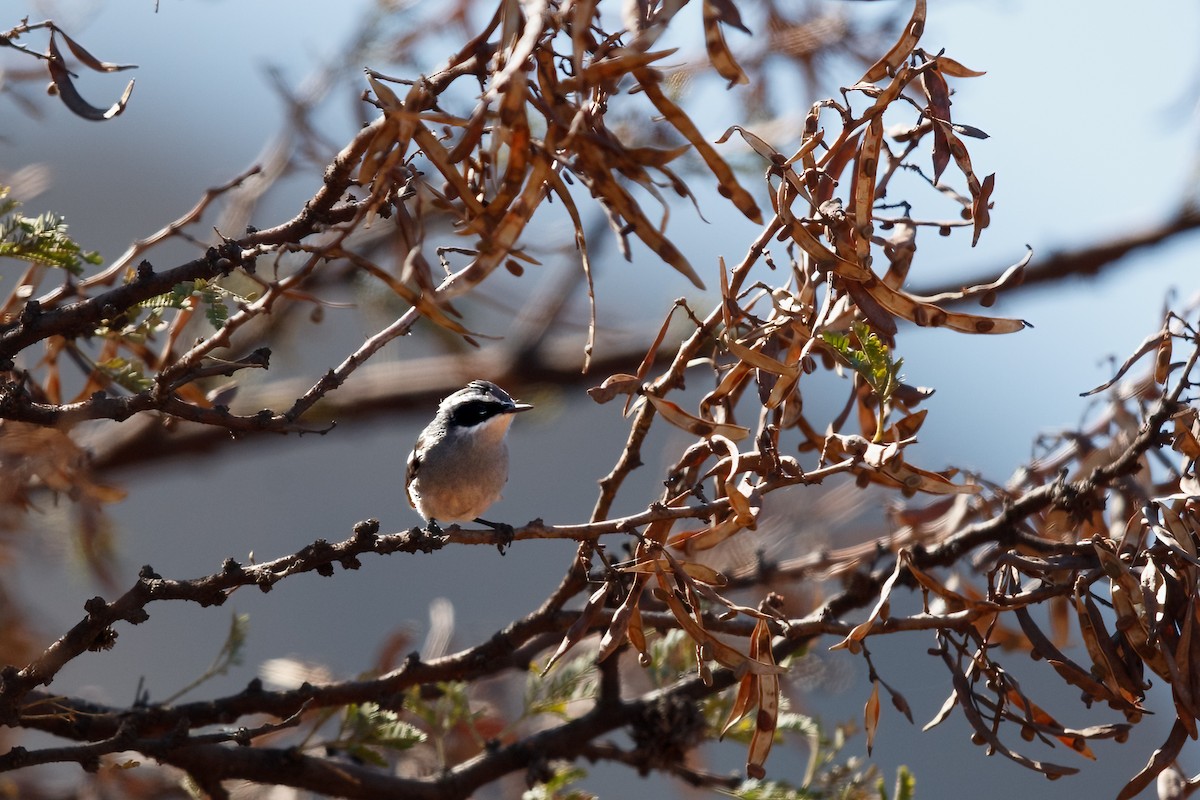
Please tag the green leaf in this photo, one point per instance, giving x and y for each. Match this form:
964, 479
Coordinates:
565, 774
771, 790
209, 294
906, 784
671, 655
797, 723
872, 360
368, 724
552, 693
40, 240
216, 311
450, 707
181, 292
137, 328
125, 374
176, 298
840, 342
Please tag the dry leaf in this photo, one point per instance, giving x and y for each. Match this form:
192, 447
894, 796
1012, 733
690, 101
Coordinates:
767, 718
60, 76
580, 627
863, 629
895, 57
727, 183
615, 385
719, 55
871, 713
692, 424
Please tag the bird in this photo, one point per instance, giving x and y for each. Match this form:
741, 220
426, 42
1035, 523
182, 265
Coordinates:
459, 465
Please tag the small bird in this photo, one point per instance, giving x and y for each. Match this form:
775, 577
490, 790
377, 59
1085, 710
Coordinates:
460, 463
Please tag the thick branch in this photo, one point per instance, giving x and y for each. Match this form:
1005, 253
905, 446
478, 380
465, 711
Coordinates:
81, 318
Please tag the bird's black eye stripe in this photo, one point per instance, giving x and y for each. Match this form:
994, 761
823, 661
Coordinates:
475, 412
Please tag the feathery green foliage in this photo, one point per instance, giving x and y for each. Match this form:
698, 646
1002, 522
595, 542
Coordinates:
368, 729
553, 693
125, 374
208, 293
556, 788
39, 240
867, 355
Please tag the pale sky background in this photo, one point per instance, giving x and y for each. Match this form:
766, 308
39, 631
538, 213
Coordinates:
1091, 111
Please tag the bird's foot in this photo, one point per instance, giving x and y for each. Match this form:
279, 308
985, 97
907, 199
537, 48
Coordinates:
504, 533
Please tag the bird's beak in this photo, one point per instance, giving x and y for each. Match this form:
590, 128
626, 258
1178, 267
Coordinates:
519, 407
